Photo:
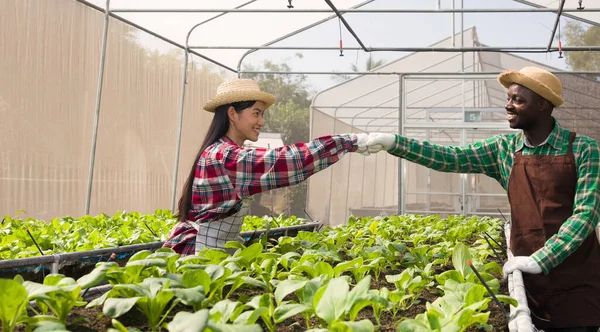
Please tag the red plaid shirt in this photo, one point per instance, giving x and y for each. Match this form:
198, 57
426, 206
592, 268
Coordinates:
227, 173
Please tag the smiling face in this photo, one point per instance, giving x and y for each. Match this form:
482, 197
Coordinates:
246, 125
525, 108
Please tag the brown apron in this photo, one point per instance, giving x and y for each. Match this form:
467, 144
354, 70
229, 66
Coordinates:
541, 191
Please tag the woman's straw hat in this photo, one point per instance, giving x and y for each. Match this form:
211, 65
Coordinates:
239, 90
538, 80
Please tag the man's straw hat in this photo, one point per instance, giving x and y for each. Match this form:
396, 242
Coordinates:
236, 91
538, 80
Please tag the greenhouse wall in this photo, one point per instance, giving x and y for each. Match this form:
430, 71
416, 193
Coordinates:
49, 62
356, 181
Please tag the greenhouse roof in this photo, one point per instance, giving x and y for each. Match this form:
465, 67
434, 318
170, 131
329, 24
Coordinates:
369, 26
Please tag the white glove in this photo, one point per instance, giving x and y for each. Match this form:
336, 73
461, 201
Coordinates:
380, 141
522, 263
361, 143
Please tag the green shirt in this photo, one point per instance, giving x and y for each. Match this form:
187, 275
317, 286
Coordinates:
494, 157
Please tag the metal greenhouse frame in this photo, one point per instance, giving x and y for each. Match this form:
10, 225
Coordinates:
190, 49
519, 316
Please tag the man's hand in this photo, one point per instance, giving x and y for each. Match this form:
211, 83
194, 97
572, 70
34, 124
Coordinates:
361, 144
522, 263
380, 141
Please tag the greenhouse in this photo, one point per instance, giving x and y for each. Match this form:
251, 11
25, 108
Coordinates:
102, 116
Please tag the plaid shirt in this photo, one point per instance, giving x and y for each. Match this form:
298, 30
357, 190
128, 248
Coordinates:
226, 174
494, 157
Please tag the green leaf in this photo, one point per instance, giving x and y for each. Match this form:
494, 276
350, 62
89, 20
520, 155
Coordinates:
188, 322
412, 325
324, 268
358, 293
215, 271
115, 307
508, 300
234, 245
449, 275
234, 328
248, 255
255, 282
286, 287
460, 256
332, 303
140, 255
433, 319
148, 262
286, 311
118, 325
225, 308
493, 267
50, 326
364, 325
189, 296
193, 278
53, 279
475, 294
13, 299
97, 275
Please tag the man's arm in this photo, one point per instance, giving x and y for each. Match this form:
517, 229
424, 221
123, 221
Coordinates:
585, 212
478, 157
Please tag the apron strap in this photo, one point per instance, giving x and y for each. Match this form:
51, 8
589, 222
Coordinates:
572, 136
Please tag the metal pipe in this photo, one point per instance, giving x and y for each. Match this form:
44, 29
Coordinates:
359, 107
560, 9
452, 23
346, 24
575, 17
239, 66
451, 193
154, 34
310, 225
30, 261
55, 262
88, 197
179, 129
504, 49
411, 75
351, 10
4, 264
458, 125
452, 212
400, 132
368, 109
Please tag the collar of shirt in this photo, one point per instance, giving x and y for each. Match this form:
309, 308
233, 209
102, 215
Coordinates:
226, 139
553, 139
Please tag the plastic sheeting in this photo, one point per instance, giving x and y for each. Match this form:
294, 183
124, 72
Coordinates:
432, 110
50, 56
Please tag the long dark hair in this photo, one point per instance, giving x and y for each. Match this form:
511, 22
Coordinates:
218, 128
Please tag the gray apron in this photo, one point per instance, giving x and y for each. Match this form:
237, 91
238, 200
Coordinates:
215, 234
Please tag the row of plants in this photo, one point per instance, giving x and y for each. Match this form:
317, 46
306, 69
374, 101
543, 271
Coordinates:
22, 238
399, 273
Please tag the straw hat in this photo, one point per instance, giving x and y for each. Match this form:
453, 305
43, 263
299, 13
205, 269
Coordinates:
538, 80
236, 91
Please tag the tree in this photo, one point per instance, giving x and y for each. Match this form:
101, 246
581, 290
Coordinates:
289, 116
370, 64
577, 35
